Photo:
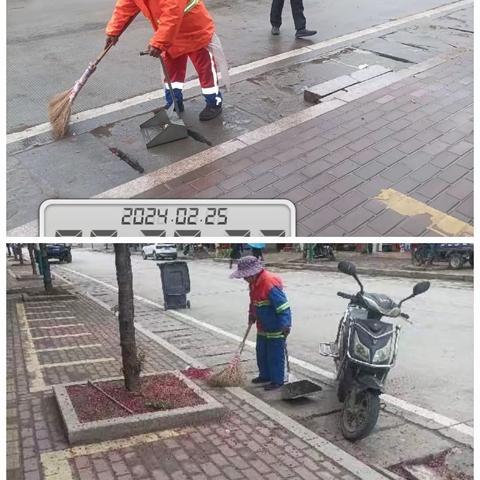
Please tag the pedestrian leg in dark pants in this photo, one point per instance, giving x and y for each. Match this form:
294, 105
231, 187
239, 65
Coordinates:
297, 12
298, 16
276, 13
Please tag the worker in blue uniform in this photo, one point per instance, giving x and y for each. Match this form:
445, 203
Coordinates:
270, 310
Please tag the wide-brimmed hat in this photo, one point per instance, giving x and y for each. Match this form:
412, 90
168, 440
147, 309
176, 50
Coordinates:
247, 267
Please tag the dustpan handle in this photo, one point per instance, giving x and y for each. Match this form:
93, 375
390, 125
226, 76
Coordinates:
170, 88
286, 357
169, 83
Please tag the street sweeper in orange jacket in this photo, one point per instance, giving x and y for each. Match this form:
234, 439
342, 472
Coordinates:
270, 309
183, 29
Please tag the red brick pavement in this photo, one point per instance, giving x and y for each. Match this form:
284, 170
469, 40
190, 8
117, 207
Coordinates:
414, 136
246, 444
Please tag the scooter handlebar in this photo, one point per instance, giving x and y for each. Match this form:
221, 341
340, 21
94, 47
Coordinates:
346, 295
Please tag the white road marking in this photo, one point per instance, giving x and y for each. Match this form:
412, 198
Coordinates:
139, 99
53, 311
63, 336
73, 347
435, 417
78, 362
34, 309
396, 402
48, 318
59, 326
32, 364
48, 302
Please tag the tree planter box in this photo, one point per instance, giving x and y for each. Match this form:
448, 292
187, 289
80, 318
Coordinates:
134, 424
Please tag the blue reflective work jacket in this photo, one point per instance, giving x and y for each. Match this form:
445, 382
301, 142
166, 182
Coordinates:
269, 305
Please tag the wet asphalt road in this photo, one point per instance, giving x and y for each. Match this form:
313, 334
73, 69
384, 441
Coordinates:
49, 47
51, 56
435, 361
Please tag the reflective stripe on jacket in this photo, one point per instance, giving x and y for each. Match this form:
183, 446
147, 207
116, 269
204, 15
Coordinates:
181, 26
269, 305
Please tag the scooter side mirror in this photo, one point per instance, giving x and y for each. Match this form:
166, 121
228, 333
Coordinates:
420, 288
347, 267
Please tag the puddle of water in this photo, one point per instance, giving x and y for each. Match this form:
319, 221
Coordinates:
102, 131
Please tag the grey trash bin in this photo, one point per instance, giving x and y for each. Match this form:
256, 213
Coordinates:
175, 284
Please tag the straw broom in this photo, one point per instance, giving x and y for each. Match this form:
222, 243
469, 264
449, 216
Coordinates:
60, 106
233, 374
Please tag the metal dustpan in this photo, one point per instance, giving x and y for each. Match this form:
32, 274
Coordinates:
161, 129
298, 388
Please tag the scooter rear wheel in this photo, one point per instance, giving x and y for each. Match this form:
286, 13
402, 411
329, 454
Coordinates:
359, 414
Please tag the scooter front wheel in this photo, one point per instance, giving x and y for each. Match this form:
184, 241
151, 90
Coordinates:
359, 414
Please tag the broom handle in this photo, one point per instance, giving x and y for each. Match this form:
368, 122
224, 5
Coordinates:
100, 57
288, 361
242, 345
107, 49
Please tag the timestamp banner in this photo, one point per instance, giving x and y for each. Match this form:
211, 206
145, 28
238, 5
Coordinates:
167, 218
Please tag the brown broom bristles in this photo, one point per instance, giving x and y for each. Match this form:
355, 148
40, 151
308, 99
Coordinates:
231, 376
59, 112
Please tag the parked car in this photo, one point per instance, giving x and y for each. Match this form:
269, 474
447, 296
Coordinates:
160, 251
60, 251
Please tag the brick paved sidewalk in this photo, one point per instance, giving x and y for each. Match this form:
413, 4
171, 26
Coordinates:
73, 339
414, 137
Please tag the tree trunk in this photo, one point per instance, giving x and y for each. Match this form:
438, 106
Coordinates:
47, 277
131, 364
32, 258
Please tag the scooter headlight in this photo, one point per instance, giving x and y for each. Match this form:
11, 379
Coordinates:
382, 355
359, 349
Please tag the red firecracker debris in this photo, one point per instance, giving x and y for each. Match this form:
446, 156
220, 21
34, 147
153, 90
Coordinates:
197, 373
157, 392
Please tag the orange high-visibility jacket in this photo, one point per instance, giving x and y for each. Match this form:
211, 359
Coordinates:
181, 26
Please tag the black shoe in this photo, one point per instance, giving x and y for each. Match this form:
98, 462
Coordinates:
275, 30
259, 380
210, 112
271, 386
305, 33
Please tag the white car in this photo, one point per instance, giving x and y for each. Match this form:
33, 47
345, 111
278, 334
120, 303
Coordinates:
159, 251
